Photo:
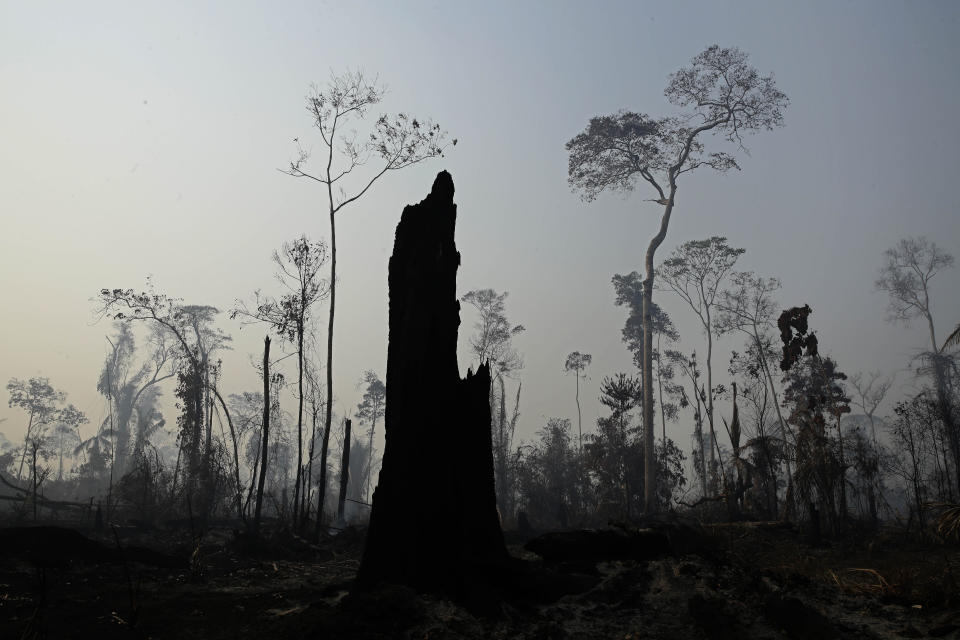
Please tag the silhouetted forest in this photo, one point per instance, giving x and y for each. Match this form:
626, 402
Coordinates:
739, 481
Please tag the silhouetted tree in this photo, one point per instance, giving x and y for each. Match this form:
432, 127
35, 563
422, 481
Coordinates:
398, 142
759, 457
747, 306
814, 391
629, 290
40, 400
690, 369
298, 265
125, 385
613, 453
370, 410
450, 541
578, 362
196, 339
871, 389
721, 94
549, 482
265, 440
905, 276
67, 432
913, 449
696, 271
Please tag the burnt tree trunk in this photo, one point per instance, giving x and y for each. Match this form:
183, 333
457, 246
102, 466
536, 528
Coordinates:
434, 523
264, 448
344, 473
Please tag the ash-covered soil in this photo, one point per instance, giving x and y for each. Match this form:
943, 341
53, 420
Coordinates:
745, 581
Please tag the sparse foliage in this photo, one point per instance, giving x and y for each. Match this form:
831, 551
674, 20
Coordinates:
719, 93
397, 142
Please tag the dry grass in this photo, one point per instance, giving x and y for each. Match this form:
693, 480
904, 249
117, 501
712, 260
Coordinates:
948, 522
863, 581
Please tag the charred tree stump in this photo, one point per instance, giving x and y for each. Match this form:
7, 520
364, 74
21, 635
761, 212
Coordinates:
434, 523
266, 434
344, 474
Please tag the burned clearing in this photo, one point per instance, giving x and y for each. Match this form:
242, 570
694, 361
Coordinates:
677, 355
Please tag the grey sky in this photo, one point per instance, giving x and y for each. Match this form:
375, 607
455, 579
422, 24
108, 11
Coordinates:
138, 141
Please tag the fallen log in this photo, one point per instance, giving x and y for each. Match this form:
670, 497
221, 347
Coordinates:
59, 547
590, 545
621, 542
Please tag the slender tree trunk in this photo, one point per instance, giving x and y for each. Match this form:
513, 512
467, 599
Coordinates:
649, 454
296, 490
329, 408
236, 455
713, 434
113, 448
344, 473
208, 421
843, 479
373, 425
254, 475
783, 423
576, 373
308, 482
264, 447
322, 489
703, 450
34, 481
663, 416
26, 443
503, 489
60, 449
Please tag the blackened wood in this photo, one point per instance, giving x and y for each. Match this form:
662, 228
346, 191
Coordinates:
344, 472
266, 433
434, 521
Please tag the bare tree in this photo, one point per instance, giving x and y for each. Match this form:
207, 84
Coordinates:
721, 94
265, 430
748, 306
298, 265
577, 362
871, 390
397, 142
493, 340
905, 276
696, 271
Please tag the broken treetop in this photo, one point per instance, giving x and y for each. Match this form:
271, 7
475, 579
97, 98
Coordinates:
434, 521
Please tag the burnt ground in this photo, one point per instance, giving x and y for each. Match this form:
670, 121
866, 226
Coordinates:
740, 581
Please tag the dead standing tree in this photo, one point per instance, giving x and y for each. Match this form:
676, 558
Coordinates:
298, 267
434, 521
724, 95
398, 142
905, 276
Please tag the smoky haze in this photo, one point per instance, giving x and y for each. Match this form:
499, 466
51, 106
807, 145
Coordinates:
146, 141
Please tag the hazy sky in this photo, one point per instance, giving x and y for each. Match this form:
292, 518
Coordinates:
144, 139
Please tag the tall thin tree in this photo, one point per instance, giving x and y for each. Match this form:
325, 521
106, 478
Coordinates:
398, 142
723, 95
